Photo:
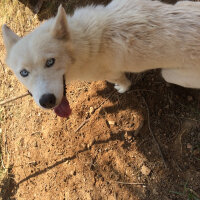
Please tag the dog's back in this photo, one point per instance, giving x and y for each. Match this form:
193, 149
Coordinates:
152, 34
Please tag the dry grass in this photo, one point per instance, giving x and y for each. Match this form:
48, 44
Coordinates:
18, 18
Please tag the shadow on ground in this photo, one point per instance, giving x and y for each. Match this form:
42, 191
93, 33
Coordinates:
171, 113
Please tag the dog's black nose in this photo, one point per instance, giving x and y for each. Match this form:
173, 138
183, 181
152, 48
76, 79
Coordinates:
47, 100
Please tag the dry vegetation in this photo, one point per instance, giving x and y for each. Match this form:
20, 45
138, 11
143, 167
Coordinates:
14, 14
107, 149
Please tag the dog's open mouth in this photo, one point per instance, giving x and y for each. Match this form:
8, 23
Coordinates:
63, 109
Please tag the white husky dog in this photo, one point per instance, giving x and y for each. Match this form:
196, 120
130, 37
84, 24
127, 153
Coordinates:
103, 42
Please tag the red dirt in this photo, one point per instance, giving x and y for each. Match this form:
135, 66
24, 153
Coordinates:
98, 153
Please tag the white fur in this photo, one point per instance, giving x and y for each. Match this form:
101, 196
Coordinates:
101, 43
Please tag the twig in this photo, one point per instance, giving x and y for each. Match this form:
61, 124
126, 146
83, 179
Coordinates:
150, 130
125, 183
13, 99
115, 196
2, 66
105, 100
179, 125
81, 125
6, 168
84, 122
186, 118
141, 90
192, 191
2, 164
38, 6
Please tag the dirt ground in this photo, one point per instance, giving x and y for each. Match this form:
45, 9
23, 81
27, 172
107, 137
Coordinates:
141, 145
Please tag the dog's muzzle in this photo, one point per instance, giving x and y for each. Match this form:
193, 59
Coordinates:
64, 87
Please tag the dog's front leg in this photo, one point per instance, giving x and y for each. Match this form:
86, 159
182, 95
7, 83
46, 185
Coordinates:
122, 84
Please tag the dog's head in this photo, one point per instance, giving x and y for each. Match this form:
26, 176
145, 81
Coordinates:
41, 59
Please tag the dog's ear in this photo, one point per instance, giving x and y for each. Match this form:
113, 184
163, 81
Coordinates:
9, 37
60, 28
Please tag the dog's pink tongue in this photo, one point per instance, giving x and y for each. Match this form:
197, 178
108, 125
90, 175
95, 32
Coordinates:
63, 109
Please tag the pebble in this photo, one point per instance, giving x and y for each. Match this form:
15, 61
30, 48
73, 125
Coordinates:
196, 152
189, 146
167, 106
89, 145
189, 98
35, 144
91, 110
155, 191
83, 145
73, 173
111, 122
10, 72
145, 170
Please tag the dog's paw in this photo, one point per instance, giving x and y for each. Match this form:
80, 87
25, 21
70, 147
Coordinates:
121, 89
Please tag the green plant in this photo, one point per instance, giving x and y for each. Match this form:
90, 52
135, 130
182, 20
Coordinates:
187, 193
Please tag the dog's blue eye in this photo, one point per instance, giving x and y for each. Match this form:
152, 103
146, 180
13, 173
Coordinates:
50, 62
24, 73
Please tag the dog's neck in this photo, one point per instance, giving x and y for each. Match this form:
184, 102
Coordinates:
86, 42
84, 35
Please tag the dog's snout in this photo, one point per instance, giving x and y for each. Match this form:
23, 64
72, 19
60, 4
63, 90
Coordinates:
48, 100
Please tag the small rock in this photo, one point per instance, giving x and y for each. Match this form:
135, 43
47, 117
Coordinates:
89, 145
192, 133
160, 112
145, 170
144, 186
189, 98
87, 114
91, 110
0, 130
167, 106
28, 155
21, 142
67, 161
196, 152
111, 122
34, 163
73, 173
35, 144
83, 145
189, 146
129, 137
155, 191
10, 72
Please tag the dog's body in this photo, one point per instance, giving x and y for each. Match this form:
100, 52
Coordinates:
134, 36
101, 43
